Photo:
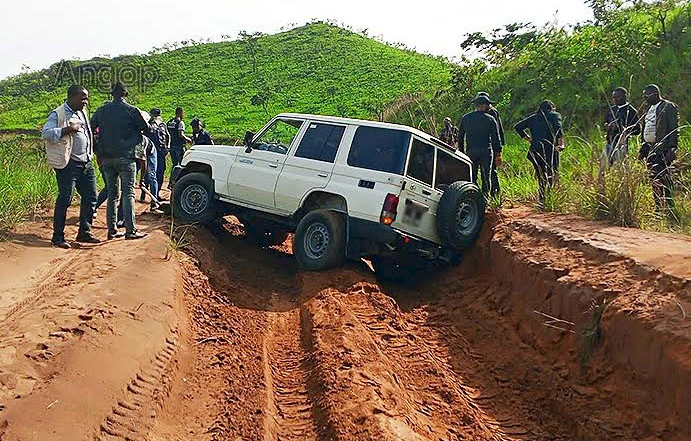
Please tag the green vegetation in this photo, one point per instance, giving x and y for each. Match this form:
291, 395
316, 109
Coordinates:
629, 44
27, 183
237, 85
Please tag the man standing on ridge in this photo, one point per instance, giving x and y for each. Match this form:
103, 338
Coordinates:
69, 150
660, 135
449, 134
121, 126
546, 141
494, 113
178, 139
621, 122
483, 145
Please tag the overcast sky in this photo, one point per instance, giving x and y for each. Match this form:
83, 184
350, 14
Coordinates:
38, 33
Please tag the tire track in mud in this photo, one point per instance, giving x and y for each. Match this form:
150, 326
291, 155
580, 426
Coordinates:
135, 412
287, 369
439, 393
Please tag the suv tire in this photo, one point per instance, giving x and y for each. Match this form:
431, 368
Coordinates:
193, 199
461, 215
265, 234
390, 270
319, 241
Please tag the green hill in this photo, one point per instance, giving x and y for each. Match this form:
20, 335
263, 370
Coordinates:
237, 85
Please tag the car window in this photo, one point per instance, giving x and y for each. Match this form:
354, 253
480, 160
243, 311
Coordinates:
278, 137
379, 149
421, 165
450, 170
320, 142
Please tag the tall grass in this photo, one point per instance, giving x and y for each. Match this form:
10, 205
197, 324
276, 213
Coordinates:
27, 183
622, 194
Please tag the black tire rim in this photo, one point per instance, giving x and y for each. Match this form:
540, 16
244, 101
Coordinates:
467, 217
316, 241
194, 199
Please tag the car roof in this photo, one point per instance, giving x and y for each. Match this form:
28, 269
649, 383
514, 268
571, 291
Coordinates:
364, 122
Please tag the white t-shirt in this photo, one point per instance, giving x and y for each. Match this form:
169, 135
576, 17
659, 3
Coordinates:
651, 124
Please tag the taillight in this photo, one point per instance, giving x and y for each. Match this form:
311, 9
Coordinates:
389, 210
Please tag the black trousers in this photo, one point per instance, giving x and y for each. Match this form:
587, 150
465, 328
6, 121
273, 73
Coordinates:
660, 172
80, 176
484, 165
545, 161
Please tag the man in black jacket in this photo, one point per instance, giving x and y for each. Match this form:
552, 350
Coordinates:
480, 131
621, 122
660, 135
120, 126
494, 113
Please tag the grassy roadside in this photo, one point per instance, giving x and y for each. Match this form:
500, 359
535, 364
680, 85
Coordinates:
622, 195
27, 183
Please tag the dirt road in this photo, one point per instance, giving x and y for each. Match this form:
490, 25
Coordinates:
553, 329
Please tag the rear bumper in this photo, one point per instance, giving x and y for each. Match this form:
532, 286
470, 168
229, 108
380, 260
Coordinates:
367, 238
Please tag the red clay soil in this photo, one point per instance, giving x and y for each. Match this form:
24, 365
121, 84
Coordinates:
226, 341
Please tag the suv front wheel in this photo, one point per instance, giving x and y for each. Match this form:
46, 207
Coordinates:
193, 199
319, 241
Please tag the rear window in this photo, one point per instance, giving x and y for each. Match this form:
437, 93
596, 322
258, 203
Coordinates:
320, 142
421, 165
379, 149
450, 170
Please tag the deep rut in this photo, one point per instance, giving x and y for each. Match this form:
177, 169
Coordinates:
289, 409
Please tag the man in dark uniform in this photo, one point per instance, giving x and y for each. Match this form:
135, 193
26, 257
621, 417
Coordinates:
660, 134
546, 141
176, 128
621, 122
199, 134
478, 130
494, 113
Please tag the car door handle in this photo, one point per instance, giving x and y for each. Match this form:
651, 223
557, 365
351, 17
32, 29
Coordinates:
323, 175
273, 165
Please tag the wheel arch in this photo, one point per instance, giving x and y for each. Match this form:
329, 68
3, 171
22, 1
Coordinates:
324, 200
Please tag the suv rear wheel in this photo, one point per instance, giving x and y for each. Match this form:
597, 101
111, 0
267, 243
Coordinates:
319, 241
193, 199
460, 215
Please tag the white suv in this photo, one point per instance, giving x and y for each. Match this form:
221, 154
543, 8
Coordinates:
347, 189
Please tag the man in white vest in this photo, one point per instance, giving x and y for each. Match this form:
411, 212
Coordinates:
69, 150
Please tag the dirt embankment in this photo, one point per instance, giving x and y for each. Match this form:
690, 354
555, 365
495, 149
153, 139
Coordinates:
232, 342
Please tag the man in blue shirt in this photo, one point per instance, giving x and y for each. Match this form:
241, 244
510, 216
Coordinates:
69, 150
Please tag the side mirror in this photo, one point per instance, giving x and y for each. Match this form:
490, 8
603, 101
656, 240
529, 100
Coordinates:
248, 138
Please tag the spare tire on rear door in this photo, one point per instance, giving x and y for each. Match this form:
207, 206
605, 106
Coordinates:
460, 215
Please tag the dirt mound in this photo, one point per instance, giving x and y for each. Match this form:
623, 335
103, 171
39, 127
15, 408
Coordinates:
545, 333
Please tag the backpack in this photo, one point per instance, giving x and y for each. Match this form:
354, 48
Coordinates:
159, 135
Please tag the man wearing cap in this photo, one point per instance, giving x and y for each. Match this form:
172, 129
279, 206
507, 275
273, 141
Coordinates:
478, 137
199, 135
450, 133
161, 139
69, 150
660, 135
121, 126
494, 113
